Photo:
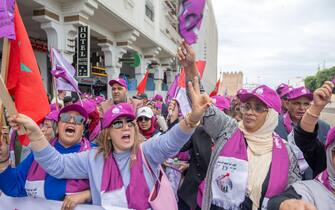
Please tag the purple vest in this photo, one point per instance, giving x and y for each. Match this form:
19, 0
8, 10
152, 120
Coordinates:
36, 172
137, 191
236, 148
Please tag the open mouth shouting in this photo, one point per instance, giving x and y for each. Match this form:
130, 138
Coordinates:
126, 137
70, 130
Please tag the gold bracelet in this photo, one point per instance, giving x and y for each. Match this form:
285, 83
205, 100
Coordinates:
189, 122
311, 114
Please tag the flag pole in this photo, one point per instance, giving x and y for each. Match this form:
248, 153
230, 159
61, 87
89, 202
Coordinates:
4, 72
54, 89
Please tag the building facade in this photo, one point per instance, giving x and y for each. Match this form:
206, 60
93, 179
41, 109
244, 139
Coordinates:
125, 39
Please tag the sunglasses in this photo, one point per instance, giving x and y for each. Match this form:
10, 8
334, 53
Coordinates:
258, 108
143, 119
118, 124
78, 119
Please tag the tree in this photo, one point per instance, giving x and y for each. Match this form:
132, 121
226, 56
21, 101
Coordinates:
314, 82
310, 83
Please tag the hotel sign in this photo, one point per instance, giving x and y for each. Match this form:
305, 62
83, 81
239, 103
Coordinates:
83, 52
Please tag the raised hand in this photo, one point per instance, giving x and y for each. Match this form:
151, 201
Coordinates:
186, 58
33, 130
322, 95
185, 54
200, 102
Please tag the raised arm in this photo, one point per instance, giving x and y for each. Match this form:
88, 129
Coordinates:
305, 135
215, 122
61, 166
321, 97
159, 149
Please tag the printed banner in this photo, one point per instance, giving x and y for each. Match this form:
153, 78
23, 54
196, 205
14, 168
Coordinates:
27, 203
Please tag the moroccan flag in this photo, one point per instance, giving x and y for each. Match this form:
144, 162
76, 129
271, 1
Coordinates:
141, 87
216, 89
201, 67
24, 81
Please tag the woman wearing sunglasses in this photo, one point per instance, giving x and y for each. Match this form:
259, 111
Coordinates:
29, 178
146, 121
250, 163
116, 169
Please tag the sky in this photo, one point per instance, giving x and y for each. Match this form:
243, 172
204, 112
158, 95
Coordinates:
274, 41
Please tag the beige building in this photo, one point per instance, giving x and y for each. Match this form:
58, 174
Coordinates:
231, 83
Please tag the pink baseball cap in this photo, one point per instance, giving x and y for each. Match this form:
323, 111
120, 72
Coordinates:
119, 81
53, 115
221, 102
300, 92
99, 99
264, 93
89, 105
74, 107
116, 111
285, 91
158, 97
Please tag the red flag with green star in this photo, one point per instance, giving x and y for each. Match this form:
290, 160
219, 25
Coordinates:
24, 81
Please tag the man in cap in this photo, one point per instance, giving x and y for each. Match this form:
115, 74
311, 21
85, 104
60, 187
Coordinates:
119, 94
298, 101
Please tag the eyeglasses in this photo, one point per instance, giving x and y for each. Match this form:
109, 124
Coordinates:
120, 124
142, 119
258, 108
78, 119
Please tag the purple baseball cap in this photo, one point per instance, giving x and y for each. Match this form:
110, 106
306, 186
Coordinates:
53, 116
284, 91
89, 105
119, 81
330, 137
300, 92
99, 99
221, 102
281, 87
74, 107
241, 91
158, 97
264, 93
116, 111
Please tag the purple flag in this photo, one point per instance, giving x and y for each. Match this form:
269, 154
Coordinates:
7, 19
190, 18
64, 72
172, 90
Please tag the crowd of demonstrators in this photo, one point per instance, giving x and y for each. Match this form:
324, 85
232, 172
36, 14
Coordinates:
249, 151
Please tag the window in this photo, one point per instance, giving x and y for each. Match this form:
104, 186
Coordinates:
149, 10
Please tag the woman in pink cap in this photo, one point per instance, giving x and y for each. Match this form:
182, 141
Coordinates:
122, 171
250, 163
30, 179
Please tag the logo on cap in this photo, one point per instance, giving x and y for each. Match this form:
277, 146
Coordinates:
116, 110
259, 91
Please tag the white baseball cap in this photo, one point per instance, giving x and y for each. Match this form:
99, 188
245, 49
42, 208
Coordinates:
145, 111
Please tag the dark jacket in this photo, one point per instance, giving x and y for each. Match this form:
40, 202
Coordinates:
200, 152
323, 129
314, 151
